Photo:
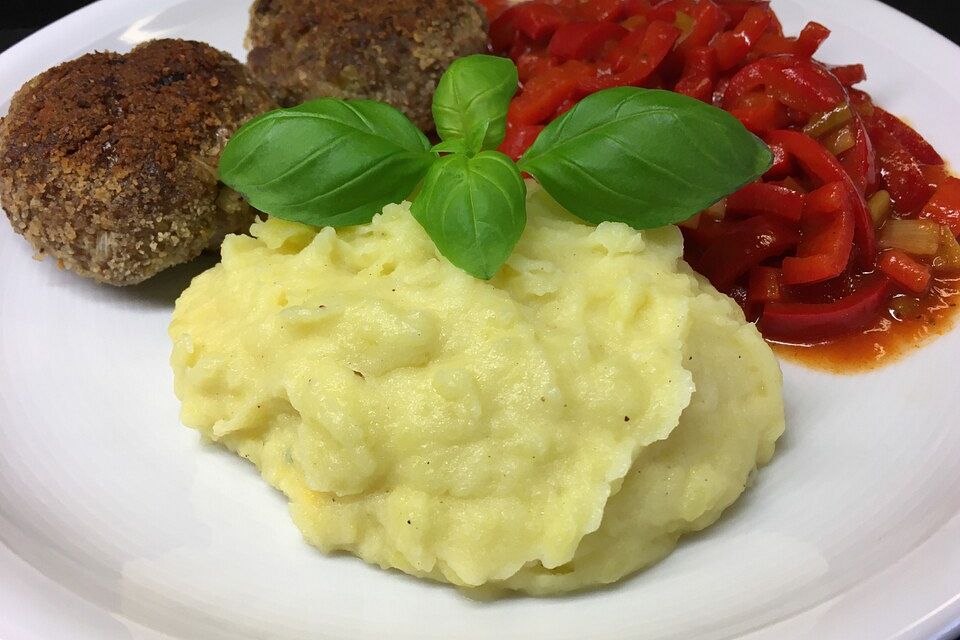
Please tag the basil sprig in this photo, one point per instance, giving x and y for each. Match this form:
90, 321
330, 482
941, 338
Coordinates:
643, 157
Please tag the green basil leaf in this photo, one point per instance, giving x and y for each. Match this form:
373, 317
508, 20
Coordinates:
472, 99
450, 146
327, 162
474, 209
644, 157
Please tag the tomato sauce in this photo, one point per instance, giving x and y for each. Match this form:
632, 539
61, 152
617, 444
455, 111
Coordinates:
891, 336
847, 245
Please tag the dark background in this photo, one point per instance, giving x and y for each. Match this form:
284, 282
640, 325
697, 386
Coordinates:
20, 18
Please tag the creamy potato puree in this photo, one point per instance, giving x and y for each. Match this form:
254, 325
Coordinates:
523, 433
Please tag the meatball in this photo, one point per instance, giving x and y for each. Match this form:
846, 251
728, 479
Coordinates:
109, 162
393, 52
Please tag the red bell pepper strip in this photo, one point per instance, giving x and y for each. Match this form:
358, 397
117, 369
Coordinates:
944, 206
744, 246
936, 175
796, 82
849, 74
758, 198
860, 162
699, 74
737, 9
584, 40
805, 45
543, 94
638, 8
760, 113
709, 21
765, 285
610, 11
900, 173
905, 271
828, 228
803, 322
906, 136
782, 163
535, 20
633, 63
821, 165
519, 138
666, 10
733, 46
530, 65
811, 37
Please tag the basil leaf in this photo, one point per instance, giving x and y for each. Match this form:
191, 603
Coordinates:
474, 209
472, 99
327, 162
644, 157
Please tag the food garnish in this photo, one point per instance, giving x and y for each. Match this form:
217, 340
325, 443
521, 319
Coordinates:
643, 157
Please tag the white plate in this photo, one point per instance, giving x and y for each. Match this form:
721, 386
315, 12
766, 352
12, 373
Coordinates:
116, 522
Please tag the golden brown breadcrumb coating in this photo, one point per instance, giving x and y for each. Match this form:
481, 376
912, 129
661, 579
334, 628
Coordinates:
393, 52
109, 162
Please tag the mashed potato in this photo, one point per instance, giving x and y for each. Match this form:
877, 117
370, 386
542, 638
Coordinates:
555, 428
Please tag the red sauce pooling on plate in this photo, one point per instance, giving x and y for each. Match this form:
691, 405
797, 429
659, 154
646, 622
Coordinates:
891, 336
847, 245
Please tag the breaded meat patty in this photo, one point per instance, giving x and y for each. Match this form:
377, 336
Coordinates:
108, 163
393, 52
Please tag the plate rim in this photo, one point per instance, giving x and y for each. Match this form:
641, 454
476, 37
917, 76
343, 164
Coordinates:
60, 41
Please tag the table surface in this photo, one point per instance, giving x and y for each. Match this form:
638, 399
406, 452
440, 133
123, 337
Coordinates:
23, 17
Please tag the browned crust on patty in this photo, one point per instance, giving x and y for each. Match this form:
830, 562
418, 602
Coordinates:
393, 52
109, 162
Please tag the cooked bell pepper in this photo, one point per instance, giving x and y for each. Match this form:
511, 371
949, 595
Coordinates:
530, 65
585, 41
944, 206
745, 245
761, 113
860, 162
802, 322
699, 74
936, 175
849, 74
827, 243
733, 46
636, 57
601, 10
900, 173
543, 94
805, 45
665, 10
905, 271
737, 9
535, 20
823, 167
798, 83
765, 285
782, 163
907, 136
519, 138
758, 198
708, 21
